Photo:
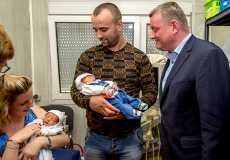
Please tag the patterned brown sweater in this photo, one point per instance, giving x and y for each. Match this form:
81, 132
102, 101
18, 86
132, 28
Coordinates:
130, 68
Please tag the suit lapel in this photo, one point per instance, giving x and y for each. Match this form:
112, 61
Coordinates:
180, 60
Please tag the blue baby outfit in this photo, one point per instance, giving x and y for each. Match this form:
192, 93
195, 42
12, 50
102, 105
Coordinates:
125, 103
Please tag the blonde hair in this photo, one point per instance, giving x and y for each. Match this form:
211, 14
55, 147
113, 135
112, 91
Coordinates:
169, 11
11, 86
6, 46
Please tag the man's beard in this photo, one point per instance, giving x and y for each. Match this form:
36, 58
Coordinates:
111, 42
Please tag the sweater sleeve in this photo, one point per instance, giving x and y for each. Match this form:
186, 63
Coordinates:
83, 66
149, 89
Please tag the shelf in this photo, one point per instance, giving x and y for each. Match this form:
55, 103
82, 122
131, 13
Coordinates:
221, 19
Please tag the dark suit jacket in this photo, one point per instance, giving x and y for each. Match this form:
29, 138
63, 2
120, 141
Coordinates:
195, 104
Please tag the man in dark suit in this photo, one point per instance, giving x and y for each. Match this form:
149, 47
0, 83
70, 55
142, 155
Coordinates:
195, 90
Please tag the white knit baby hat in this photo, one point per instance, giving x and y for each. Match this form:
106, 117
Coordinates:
60, 115
78, 82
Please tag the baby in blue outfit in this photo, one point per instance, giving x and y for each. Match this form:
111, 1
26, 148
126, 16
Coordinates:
130, 107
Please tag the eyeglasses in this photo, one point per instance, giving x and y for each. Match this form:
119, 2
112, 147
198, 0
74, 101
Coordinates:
5, 68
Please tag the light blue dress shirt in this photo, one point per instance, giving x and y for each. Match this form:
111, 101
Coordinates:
172, 57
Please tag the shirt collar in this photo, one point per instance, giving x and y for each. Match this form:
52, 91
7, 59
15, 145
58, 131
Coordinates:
181, 45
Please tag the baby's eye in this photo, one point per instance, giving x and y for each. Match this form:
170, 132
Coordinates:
54, 121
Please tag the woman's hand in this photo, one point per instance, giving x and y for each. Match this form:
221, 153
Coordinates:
32, 149
25, 133
38, 133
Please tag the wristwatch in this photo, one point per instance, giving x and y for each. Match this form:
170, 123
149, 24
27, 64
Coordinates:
49, 142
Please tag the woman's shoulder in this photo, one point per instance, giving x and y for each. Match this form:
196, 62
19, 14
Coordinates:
3, 138
39, 112
34, 113
30, 117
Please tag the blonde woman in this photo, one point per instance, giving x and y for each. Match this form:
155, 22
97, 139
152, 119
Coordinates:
15, 114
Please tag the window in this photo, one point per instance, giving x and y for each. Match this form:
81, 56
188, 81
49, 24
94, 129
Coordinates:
69, 37
73, 38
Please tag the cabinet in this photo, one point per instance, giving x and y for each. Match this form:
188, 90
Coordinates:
221, 19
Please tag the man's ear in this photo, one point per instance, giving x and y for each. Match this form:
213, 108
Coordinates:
119, 25
175, 26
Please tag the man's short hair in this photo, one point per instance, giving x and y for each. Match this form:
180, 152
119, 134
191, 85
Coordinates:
169, 11
114, 10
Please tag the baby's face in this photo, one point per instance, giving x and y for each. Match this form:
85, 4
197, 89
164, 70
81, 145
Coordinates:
88, 79
50, 119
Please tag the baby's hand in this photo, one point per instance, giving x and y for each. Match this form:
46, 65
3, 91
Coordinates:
114, 86
107, 93
38, 133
